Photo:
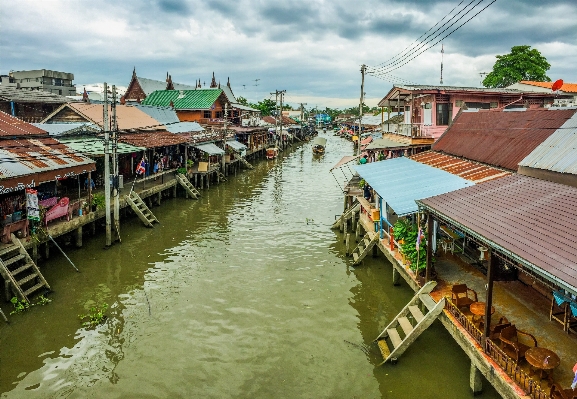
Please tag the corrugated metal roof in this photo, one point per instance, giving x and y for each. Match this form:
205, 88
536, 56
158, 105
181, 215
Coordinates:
93, 146
153, 139
9, 93
530, 219
149, 86
58, 129
12, 126
210, 149
458, 88
128, 117
566, 87
167, 117
500, 138
185, 99
401, 181
244, 107
473, 171
35, 160
236, 145
381, 144
558, 152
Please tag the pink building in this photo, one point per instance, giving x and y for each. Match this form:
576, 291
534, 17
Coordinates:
429, 110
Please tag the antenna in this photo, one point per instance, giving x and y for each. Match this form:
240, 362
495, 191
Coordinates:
483, 74
442, 53
256, 82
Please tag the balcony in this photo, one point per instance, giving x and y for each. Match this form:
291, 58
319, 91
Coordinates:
415, 130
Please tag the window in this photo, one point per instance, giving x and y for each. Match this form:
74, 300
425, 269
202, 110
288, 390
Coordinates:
478, 105
207, 114
219, 114
444, 111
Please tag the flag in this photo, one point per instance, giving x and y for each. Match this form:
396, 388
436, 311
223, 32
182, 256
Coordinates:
574, 379
140, 169
419, 236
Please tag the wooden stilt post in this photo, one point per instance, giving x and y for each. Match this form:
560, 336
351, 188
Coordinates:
347, 242
429, 246
489, 301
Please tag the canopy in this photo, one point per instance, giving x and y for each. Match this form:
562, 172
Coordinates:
95, 146
210, 149
401, 181
320, 141
344, 160
238, 146
381, 144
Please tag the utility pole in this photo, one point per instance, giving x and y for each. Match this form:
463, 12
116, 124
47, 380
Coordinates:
302, 116
224, 137
115, 171
107, 166
281, 94
363, 69
277, 144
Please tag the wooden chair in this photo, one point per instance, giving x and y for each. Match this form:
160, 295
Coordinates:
462, 296
511, 345
495, 330
559, 393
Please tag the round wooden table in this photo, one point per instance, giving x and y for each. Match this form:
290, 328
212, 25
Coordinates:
478, 310
542, 359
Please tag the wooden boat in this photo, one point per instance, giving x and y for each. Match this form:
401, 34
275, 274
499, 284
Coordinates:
271, 153
319, 145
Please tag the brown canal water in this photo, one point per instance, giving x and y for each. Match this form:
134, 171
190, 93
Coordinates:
245, 293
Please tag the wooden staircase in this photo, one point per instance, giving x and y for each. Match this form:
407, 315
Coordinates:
409, 323
20, 273
221, 176
348, 214
246, 163
187, 185
140, 208
364, 246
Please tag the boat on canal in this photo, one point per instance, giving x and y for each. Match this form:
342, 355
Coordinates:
271, 153
319, 145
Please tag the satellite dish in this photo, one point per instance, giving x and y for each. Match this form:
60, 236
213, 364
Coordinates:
557, 85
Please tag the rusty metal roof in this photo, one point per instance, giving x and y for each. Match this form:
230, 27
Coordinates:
500, 138
153, 139
12, 126
469, 170
530, 220
558, 153
31, 161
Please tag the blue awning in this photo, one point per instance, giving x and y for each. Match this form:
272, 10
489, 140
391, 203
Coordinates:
236, 145
210, 149
401, 181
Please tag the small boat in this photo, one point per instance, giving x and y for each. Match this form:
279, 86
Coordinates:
271, 153
319, 145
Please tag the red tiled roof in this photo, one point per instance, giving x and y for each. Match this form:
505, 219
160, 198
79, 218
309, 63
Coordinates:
470, 170
533, 219
285, 120
153, 139
11, 126
567, 87
500, 138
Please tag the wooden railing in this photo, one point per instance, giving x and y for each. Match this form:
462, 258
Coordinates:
510, 366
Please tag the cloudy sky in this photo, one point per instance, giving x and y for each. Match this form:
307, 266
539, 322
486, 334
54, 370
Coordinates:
312, 49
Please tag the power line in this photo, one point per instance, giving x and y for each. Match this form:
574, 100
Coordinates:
434, 44
410, 45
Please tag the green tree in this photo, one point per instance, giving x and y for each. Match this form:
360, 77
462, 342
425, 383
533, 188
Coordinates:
266, 106
242, 100
523, 63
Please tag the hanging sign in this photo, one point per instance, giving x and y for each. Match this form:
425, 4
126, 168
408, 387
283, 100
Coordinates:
32, 204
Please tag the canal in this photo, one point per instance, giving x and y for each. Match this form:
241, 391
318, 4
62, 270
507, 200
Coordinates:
245, 293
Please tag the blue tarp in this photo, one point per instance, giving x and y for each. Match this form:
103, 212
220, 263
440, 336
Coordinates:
401, 181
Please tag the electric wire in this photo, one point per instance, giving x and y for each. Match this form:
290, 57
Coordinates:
391, 66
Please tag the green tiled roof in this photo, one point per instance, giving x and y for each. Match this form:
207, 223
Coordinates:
184, 99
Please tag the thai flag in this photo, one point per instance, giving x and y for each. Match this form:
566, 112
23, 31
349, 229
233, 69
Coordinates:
574, 379
419, 236
140, 169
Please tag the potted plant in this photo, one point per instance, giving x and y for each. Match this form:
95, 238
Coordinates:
98, 202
